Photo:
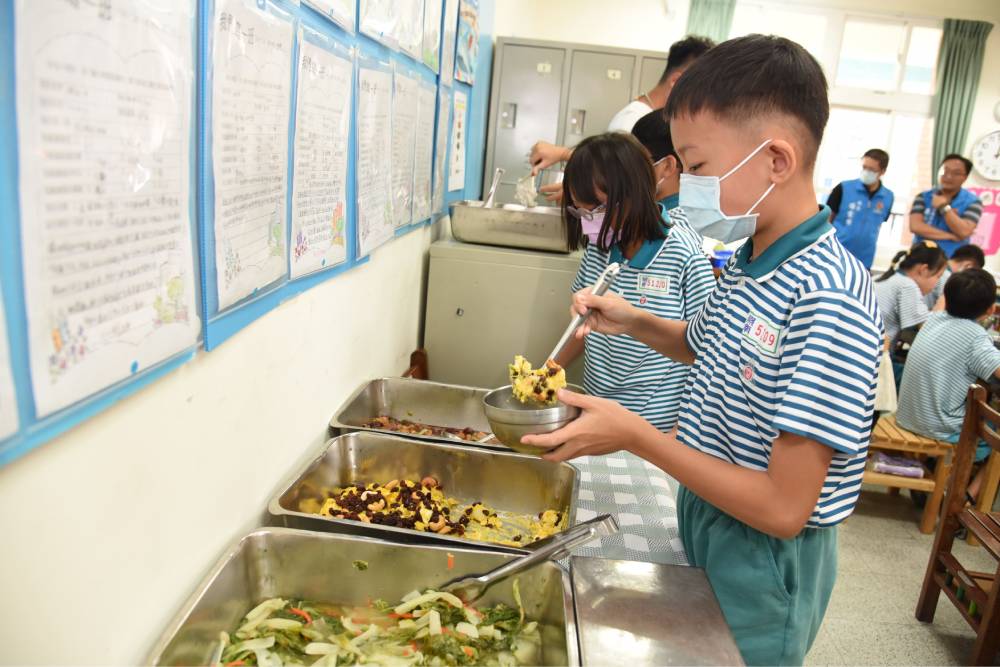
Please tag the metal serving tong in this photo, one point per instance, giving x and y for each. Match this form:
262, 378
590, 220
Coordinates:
493, 188
603, 284
469, 589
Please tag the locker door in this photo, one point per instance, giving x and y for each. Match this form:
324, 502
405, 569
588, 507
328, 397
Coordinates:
527, 110
599, 86
650, 73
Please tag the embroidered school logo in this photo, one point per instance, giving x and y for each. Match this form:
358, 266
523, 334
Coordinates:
879, 206
761, 333
650, 284
747, 372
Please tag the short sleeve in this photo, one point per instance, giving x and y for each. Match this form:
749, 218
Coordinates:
829, 362
697, 283
835, 198
910, 306
973, 212
984, 358
695, 333
918, 204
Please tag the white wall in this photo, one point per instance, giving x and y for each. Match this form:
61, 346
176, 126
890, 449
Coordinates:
652, 25
107, 529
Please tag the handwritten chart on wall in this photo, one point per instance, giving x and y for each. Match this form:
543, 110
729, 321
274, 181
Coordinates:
411, 26
340, 11
441, 147
319, 184
8, 399
104, 108
432, 34
423, 152
404, 120
251, 93
456, 172
448, 41
374, 177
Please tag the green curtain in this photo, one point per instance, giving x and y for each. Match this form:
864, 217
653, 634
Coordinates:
959, 65
711, 18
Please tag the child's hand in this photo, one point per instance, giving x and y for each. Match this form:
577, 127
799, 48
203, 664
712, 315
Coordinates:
603, 427
610, 314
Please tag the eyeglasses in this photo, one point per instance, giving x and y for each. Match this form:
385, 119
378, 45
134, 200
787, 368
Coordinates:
953, 173
584, 214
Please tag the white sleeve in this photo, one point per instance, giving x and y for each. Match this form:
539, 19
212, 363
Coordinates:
625, 120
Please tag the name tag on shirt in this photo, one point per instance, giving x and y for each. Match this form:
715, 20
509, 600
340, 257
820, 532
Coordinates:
650, 284
761, 333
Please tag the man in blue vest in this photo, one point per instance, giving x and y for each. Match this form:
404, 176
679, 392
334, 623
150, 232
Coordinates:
860, 206
948, 214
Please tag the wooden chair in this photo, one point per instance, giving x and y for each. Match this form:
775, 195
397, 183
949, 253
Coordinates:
975, 594
889, 436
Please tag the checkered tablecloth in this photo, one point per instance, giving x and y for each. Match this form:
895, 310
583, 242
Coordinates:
641, 497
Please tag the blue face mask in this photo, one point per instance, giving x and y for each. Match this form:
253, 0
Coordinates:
701, 199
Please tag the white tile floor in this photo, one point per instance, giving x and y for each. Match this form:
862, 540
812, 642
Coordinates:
871, 620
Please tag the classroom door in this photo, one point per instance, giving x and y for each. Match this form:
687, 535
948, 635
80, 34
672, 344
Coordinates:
649, 74
530, 82
600, 85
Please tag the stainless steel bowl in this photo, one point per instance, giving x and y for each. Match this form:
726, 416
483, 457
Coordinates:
511, 419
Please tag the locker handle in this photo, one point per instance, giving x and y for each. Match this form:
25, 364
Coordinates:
508, 116
577, 118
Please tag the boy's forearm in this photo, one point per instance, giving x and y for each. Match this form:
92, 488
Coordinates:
668, 337
776, 502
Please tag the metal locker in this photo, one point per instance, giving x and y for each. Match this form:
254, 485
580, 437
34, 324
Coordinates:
650, 72
527, 110
600, 85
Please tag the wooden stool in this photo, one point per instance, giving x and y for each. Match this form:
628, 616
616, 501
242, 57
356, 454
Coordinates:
888, 436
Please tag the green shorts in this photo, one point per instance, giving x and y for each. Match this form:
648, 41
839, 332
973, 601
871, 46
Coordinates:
773, 592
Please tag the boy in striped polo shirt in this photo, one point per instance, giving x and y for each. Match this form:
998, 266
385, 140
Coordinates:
772, 436
951, 352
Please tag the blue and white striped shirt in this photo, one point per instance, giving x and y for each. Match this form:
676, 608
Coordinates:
670, 278
947, 356
901, 302
788, 342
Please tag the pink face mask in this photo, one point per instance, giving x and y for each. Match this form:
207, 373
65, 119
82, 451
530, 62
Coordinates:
592, 229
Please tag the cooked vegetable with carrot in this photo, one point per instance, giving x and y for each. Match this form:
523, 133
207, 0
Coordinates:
428, 628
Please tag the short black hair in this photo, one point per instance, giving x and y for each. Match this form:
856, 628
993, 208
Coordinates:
653, 132
879, 156
753, 76
961, 158
616, 164
970, 294
682, 53
970, 252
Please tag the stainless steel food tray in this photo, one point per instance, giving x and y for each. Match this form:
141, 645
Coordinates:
502, 480
279, 562
421, 401
510, 225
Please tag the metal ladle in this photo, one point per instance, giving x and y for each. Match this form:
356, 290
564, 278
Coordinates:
603, 284
469, 589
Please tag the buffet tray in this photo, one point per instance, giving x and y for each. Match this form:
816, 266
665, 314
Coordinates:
504, 481
510, 225
421, 401
280, 562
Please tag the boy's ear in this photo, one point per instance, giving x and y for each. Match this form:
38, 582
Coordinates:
784, 161
674, 166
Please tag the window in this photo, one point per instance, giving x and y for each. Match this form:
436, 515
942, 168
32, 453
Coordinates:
921, 60
870, 55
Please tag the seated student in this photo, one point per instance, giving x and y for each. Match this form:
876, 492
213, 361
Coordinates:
653, 133
608, 195
965, 257
774, 427
951, 352
901, 290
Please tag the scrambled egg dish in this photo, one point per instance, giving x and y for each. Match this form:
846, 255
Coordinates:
540, 384
424, 506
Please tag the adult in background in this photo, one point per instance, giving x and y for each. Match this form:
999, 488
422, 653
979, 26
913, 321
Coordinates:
681, 55
860, 206
948, 214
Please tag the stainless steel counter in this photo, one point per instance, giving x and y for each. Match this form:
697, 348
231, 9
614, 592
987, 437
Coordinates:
631, 613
